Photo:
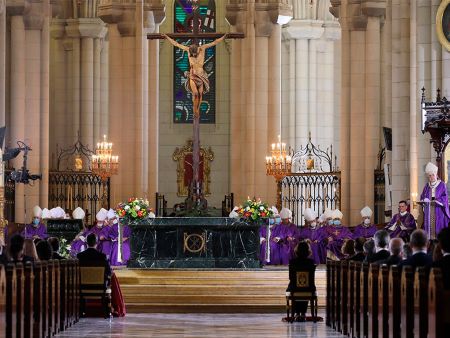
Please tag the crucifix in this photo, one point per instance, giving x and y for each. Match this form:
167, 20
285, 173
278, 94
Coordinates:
197, 82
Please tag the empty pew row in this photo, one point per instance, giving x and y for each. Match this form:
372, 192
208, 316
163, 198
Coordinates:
380, 301
40, 299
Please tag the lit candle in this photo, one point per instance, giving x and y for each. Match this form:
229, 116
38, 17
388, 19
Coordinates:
273, 146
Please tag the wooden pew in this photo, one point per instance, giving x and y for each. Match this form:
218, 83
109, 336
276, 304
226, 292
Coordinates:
71, 294
363, 301
351, 298
63, 324
383, 302
421, 303
45, 303
332, 294
38, 299
356, 333
11, 306
77, 290
28, 317
344, 297
2, 301
328, 298
438, 306
20, 295
394, 302
56, 297
407, 302
372, 304
51, 297
337, 296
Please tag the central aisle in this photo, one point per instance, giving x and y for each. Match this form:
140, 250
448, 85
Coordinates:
197, 326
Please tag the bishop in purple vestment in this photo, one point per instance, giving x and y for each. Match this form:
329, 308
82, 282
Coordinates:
288, 235
366, 229
37, 229
435, 203
79, 243
402, 224
336, 235
119, 235
275, 227
314, 236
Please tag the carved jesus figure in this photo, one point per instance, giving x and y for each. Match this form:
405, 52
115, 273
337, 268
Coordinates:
197, 82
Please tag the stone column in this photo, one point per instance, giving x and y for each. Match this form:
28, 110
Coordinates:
129, 93
257, 117
360, 103
29, 96
2, 62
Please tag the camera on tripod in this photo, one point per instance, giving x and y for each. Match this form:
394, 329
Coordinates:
21, 175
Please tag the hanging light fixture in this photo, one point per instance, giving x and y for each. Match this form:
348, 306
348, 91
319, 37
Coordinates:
104, 164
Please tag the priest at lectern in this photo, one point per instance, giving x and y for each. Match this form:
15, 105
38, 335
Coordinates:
434, 200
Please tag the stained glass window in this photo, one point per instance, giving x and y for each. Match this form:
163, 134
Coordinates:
183, 23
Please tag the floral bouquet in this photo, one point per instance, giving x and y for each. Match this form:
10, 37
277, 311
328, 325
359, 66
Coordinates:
64, 248
133, 210
254, 210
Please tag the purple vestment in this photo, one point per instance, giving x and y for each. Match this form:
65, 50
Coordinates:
338, 234
104, 243
442, 214
114, 237
289, 239
315, 239
32, 231
79, 245
361, 230
274, 247
407, 221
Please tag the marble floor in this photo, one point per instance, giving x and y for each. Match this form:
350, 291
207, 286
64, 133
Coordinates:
196, 326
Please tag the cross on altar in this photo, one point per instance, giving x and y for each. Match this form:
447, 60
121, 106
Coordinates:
197, 79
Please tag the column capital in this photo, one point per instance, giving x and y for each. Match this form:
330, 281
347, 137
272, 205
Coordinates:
57, 28
262, 14
357, 12
86, 28
16, 7
122, 13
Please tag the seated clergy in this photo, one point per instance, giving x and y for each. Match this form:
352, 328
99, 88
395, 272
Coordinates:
289, 236
92, 257
270, 251
313, 235
79, 243
37, 229
366, 229
402, 224
120, 238
335, 236
101, 229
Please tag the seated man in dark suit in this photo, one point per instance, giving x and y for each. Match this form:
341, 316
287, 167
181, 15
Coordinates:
396, 249
359, 250
92, 257
381, 241
418, 243
301, 262
444, 262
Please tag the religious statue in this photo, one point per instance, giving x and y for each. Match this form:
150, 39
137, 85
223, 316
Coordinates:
434, 200
197, 82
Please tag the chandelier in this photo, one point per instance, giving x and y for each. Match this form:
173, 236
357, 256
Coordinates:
279, 163
104, 164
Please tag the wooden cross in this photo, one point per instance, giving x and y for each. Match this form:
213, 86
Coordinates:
197, 92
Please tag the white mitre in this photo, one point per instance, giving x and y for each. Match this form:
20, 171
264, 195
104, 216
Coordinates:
46, 214
309, 215
151, 214
78, 213
111, 214
366, 212
233, 213
431, 169
328, 213
285, 213
274, 210
101, 215
37, 211
337, 214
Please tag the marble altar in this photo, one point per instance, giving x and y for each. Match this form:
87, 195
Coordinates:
194, 242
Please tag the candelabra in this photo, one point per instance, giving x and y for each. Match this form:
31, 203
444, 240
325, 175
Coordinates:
278, 165
104, 164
